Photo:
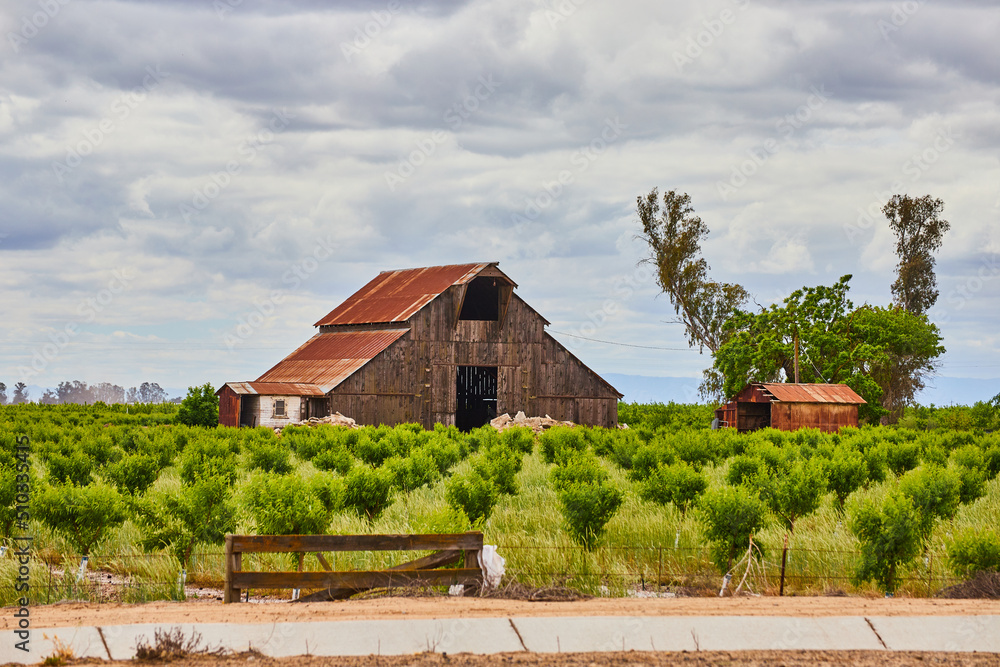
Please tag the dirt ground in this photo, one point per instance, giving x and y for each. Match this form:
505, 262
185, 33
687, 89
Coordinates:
697, 659
77, 613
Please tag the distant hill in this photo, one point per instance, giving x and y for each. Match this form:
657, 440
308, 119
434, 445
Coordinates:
645, 389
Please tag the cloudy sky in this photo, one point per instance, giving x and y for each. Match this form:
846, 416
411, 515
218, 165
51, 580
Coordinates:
187, 186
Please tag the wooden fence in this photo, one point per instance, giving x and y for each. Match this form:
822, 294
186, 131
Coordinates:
448, 548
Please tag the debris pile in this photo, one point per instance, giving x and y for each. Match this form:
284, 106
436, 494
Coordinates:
336, 419
536, 424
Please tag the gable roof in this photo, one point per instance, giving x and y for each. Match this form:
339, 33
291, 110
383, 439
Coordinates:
327, 359
273, 388
787, 392
395, 296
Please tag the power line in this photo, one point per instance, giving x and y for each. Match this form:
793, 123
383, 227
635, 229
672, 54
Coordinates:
611, 342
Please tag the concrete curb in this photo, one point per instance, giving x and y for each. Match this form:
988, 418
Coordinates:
538, 634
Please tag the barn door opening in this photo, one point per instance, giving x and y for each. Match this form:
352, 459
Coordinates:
248, 410
476, 391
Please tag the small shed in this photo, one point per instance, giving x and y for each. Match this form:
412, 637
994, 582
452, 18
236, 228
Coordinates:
788, 406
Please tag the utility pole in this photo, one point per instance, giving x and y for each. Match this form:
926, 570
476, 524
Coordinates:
796, 356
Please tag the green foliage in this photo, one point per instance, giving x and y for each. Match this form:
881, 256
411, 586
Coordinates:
413, 471
672, 417
731, 515
846, 472
561, 443
473, 494
518, 439
902, 457
799, 491
650, 456
581, 469
269, 456
74, 468
200, 407
291, 505
974, 551
200, 512
587, 509
890, 538
335, 459
82, 514
368, 491
501, 465
204, 458
935, 493
679, 484
133, 474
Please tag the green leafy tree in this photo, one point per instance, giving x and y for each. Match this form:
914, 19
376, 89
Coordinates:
291, 505
731, 515
581, 469
674, 234
201, 512
133, 474
935, 493
473, 494
974, 551
368, 491
846, 472
679, 484
890, 538
837, 343
587, 509
799, 491
200, 407
84, 515
919, 230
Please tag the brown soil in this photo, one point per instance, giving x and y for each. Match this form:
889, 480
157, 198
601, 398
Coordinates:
749, 658
78, 613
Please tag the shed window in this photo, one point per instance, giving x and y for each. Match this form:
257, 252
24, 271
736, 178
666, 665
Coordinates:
279, 408
482, 300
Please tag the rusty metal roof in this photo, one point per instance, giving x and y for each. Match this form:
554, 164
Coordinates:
327, 359
394, 296
788, 392
275, 388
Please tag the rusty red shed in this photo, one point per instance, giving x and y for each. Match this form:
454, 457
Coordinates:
788, 406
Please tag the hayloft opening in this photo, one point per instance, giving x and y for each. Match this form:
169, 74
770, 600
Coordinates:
482, 300
476, 391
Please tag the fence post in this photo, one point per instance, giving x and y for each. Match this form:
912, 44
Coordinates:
930, 572
229, 592
659, 571
784, 560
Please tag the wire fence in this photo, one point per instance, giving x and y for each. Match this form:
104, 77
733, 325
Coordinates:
615, 571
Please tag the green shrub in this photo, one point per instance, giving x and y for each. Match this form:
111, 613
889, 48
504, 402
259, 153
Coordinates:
974, 551
202, 512
500, 465
935, 493
518, 439
205, 458
648, 457
991, 459
581, 469
587, 509
373, 451
846, 472
560, 443
413, 471
902, 457
286, 505
82, 514
74, 468
748, 470
446, 452
200, 407
798, 492
679, 484
337, 459
272, 457
368, 491
890, 538
133, 474
731, 515
473, 494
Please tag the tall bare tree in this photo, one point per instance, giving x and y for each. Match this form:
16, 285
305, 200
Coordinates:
919, 231
674, 235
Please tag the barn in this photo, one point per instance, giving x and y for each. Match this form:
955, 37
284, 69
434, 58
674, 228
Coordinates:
442, 344
788, 406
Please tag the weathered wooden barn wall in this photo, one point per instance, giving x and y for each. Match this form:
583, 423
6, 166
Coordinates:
828, 417
229, 407
414, 379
